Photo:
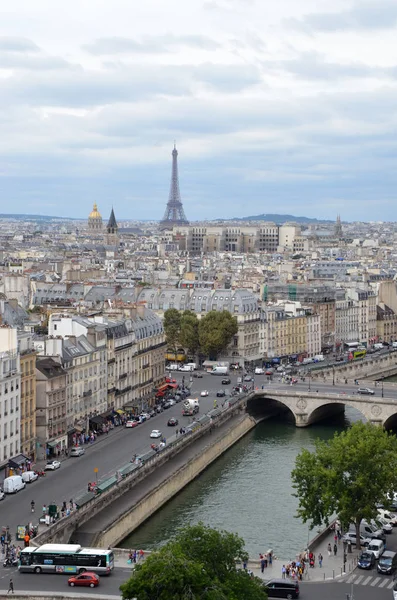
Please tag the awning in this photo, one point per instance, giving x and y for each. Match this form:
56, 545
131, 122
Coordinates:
52, 444
120, 412
97, 420
17, 461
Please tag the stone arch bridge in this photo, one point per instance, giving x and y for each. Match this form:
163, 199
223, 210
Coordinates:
309, 407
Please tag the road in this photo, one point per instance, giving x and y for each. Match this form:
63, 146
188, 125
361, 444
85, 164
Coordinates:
108, 454
116, 449
110, 586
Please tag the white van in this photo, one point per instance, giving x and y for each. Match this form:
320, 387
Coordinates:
377, 548
192, 366
29, 476
378, 346
259, 371
13, 484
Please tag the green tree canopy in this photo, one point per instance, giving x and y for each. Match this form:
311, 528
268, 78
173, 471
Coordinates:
347, 476
172, 326
198, 564
216, 330
189, 337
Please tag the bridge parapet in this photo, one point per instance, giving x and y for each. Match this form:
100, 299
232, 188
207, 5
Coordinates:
308, 407
377, 367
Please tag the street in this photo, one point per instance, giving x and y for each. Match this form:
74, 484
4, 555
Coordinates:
116, 449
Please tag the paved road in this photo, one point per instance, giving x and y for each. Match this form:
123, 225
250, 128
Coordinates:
107, 454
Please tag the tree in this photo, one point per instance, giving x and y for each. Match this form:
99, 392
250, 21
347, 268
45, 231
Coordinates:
347, 476
189, 337
198, 564
216, 330
172, 327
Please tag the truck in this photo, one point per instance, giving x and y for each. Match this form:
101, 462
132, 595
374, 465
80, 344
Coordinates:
319, 358
217, 370
190, 407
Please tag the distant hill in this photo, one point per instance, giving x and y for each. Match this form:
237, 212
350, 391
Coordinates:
280, 219
34, 218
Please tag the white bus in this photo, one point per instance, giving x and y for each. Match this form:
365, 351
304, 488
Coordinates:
65, 558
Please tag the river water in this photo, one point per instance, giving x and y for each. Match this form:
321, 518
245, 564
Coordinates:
248, 490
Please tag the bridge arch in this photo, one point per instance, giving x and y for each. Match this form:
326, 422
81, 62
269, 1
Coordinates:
390, 424
263, 405
331, 409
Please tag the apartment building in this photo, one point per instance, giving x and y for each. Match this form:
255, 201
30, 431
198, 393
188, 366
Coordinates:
51, 425
10, 388
27, 355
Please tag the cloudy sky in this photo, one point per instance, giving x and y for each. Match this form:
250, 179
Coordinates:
276, 107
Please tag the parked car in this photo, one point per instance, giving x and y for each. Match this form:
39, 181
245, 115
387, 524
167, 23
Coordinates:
29, 476
350, 536
387, 563
142, 417
156, 433
220, 394
377, 547
171, 401
88, 579
172, 422
366, 560
130, 424
204, 393
366, 391
166, 405
2, 495
52, 465
145, 415
226, 381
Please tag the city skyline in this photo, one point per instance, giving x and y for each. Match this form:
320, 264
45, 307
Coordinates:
289, 106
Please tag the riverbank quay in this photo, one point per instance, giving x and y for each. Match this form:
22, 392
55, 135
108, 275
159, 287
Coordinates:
57, 596
133, 508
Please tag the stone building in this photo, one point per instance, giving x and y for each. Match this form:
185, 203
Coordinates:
27, 355
51, 408
10, 384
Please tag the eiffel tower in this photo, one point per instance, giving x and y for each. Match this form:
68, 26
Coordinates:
174, 214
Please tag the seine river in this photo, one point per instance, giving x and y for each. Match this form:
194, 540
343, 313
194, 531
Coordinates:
248, 490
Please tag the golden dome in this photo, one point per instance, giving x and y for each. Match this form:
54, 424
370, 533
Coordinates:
95, 214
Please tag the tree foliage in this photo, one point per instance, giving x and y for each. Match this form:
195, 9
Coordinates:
347, 476
188, 336
172, 326
216, 330
198, 564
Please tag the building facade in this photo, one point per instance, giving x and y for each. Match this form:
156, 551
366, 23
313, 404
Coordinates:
10, 386
51, 408
27, 355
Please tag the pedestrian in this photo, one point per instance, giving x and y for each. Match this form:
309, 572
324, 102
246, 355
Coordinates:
320, 560
270, 557
262, 565
335, 549
283, 570
11, 586
141, 555
134, 557
329, 549
335, 537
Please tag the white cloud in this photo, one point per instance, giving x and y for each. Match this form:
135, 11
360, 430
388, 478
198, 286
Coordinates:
263, 113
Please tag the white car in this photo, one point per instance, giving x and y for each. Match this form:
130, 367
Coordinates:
204, 393
171, 401
350, 536
389, 517
145, 415
156, 433
52, 465
2, 495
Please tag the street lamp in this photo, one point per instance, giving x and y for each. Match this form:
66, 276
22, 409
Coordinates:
333, 375
310, 380
382, 386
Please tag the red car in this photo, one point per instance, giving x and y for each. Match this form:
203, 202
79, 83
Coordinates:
88, 578
170, 380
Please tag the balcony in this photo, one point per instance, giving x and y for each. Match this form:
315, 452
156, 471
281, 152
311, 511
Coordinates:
123, 391
87, 394
123, 376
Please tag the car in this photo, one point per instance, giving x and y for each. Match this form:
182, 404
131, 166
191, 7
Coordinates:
156, 433
248, 378
88, 579
220, 394
281, 588
146, 415
76, 451
204, 393
366, 391
171, 401
166, 405
366, 560
2, 495
130, 424
52, 465
226, 381
170, 380
142, 417
350, 536
172, 422
198, 375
